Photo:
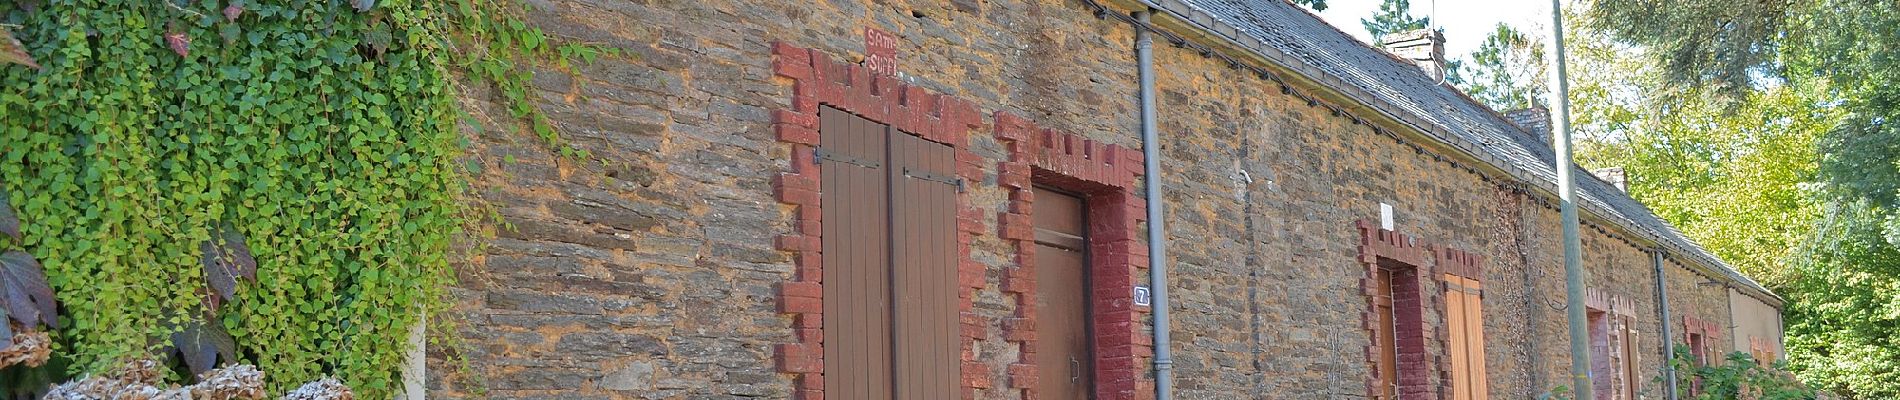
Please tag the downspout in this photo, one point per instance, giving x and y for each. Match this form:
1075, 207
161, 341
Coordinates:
1157, 236
1668, 336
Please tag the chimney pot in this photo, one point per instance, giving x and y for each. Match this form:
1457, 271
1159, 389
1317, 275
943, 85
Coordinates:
1423, 47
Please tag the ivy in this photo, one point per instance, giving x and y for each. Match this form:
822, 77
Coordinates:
279, 175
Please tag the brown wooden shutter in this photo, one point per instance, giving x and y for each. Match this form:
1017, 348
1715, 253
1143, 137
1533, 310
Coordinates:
857, 316
890, 304
1632, 361
924, 277
1464, 310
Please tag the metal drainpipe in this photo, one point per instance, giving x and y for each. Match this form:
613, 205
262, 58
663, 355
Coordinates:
1157, 236
1662, 303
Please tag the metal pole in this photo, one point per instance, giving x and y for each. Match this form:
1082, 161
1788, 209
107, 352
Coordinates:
1157, 237
1668, 336
1566, 191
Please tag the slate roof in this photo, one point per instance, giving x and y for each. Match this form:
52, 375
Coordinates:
1288, 34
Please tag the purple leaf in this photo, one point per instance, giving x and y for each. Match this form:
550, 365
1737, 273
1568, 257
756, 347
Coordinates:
218, 273
231, 12
11, 51
227, 260
9, 222
201, 344
179, 43
24, 292
6, 330
238, 253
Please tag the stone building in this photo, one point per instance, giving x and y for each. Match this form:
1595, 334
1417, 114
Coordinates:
870, 199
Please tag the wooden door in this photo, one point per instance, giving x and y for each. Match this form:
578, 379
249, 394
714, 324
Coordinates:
1062, 335
1385, 337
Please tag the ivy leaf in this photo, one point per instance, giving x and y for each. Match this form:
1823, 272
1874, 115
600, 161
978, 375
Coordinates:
363, 5
9, 222
179, 43
202, 344
24, 292
227, 259
233, 11
11, 51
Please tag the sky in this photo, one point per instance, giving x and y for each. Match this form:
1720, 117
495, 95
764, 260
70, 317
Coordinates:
1466, 22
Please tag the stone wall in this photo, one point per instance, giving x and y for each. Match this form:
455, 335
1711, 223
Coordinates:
656, 268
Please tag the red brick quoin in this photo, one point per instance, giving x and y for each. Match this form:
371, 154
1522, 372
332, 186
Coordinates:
1104, 174
1409, 300
819, 79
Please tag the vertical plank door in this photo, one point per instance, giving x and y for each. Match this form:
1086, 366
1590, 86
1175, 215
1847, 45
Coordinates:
1062, 348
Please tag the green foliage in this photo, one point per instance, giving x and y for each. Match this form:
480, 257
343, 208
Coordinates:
1394, 16
1507, 72
1740, 377
313, 143
1720, 45
1316, 5
1844, 314
1735, 178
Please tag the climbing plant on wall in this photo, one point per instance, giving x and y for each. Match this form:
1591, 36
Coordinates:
152, 140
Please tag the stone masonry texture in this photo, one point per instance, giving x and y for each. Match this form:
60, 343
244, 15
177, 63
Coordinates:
675, 261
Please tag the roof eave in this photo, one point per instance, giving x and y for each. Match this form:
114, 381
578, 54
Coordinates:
1183, 19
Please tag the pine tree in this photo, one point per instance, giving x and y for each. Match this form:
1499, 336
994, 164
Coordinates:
1394, 16
1507, 72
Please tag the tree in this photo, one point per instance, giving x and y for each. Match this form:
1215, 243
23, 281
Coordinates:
1507, 71
1844, 314
1316, 5
1393, 17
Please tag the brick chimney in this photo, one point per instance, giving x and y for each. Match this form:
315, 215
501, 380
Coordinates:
1423, 47
1534, 120
1615, 176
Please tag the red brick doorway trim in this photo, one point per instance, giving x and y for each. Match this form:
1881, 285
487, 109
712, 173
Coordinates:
1104, 175
818, 79
1410, 260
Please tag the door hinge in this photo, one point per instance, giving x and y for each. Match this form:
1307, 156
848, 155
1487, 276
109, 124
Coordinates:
820, 155
925, 175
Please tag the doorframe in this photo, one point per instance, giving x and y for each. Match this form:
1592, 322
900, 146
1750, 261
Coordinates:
1410, 259
1104, 176
1088, 270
